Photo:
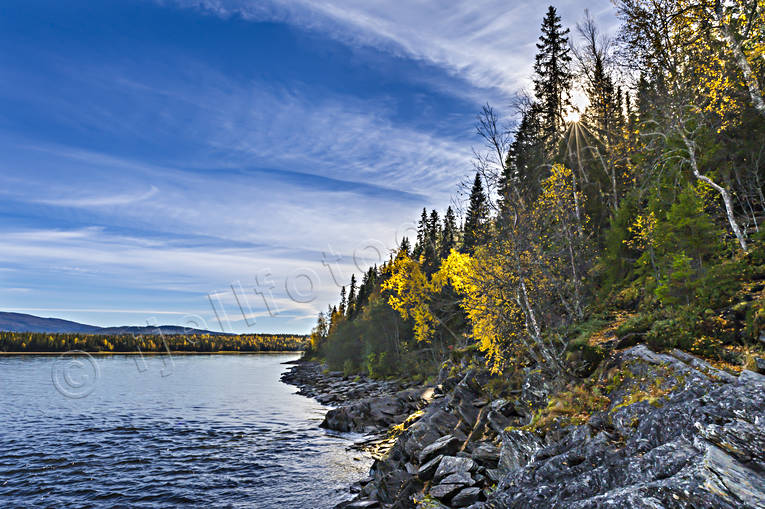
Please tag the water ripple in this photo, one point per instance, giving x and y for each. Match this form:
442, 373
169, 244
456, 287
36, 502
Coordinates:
221, 431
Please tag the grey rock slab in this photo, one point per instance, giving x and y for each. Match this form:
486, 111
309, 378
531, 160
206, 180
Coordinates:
462, 478
428, 470
446, 445
452, 464
362, 504
444, 491
466, 497
486, 453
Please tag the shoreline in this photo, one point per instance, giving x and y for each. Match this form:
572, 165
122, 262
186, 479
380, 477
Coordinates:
358, 404
466, 446
172, 352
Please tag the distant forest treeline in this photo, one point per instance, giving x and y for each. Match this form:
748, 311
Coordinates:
47, 342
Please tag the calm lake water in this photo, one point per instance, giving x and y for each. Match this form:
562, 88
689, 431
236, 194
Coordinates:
200, 431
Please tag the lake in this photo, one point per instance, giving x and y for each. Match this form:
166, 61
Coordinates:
160, 431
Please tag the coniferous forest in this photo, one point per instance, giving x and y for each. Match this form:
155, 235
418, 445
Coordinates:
31, 342
636, 219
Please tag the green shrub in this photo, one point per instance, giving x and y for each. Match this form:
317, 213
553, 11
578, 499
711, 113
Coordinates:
707, 346
582, 357
720, 283
672, 333
639, 323
348, 367
380, 365
627, 298
677, 287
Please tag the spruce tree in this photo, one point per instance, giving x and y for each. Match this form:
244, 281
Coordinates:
552, 79
603, 112
448, 234
332, 318
364, 290
434, 227
646, 99
629, 117
433, 233
620, 98
525, 166
477, 214
343, 301
352, 297
405, 246
422, 235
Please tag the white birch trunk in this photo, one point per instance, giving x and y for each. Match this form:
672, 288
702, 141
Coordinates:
723, 193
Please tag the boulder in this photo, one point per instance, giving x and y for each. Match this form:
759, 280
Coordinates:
462, 478
518, 448
373, 414
464, 394
494, 474
466, 497
747, 377
741, 439
445, 491
698, 445
486, 453
434, 424
428, 470
731, 477
446, 445
497, 421
453, 464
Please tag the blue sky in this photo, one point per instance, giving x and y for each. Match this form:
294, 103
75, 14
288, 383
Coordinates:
156, 154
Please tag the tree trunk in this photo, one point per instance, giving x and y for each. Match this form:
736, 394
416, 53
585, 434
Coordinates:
740, 58
723, 193
552, 360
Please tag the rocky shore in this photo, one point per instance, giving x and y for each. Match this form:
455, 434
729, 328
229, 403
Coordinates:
361, 404
649, 430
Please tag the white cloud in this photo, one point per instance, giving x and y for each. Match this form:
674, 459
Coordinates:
339, 137
381, 167
489, 43
197, 222
101, 200
130, 264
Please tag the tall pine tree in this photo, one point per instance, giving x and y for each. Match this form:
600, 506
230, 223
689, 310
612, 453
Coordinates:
405, 247
603, 122
431, 249
603, 114
352, 297
477, 213
525, 163
343, 301
448, 234
422, 235
552, 76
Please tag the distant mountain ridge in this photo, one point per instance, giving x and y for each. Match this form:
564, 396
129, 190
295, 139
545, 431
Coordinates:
21, 322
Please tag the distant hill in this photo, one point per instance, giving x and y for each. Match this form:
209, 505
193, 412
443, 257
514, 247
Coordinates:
20, 322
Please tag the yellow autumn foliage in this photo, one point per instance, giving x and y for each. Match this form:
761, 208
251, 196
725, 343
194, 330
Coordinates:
505, 284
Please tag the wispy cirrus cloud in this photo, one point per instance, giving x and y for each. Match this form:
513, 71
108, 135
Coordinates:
144, 168
109, 200
98, 259
488, 43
